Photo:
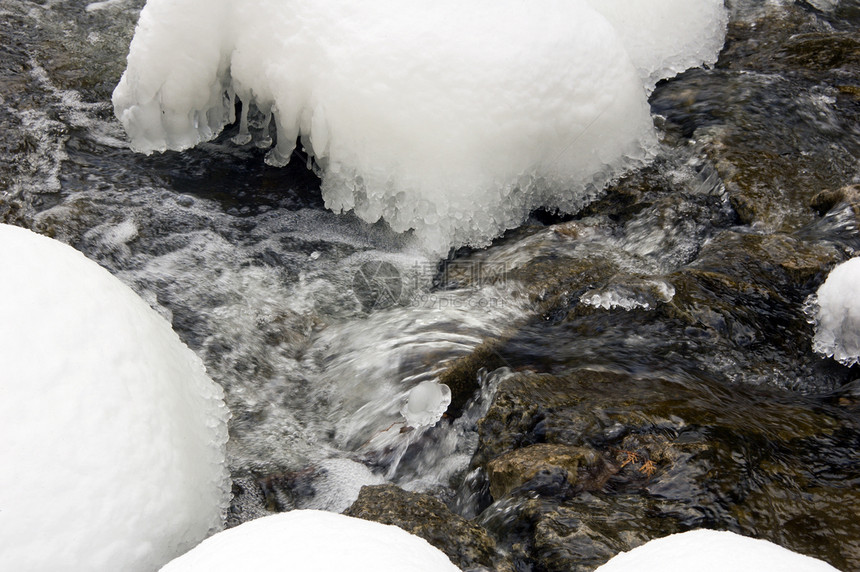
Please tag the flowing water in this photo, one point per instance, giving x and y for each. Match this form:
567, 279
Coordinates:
318, 325
253, 273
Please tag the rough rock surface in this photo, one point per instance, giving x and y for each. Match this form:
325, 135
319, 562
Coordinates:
464, 542
675, 456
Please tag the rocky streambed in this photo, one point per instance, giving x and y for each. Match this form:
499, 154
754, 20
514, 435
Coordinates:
667, 381
639, 368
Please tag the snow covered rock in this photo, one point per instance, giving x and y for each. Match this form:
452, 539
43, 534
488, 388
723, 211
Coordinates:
712, 551
453, 119
313, 540
835, 311
113, 436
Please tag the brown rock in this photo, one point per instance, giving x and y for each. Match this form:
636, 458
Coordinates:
826, 200
584, 467
467, 544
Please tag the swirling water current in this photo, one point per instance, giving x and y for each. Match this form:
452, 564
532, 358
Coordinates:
267, 286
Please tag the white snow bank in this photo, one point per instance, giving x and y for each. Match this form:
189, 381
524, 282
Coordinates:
835, 311
712, 551
113, 437
313, 540
455, 119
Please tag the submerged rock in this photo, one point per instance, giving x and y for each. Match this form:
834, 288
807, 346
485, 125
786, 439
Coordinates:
581, 467
673, 455
828, 199
734, 313
777, 116
706, 407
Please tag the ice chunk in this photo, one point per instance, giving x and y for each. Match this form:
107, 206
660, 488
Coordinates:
835, 311
630, 294
313, 540
712, 551
453, 119
96, 6
113, 436
426, 403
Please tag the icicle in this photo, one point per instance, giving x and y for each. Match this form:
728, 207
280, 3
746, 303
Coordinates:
280, 154
230, 95
244, 135
263, 140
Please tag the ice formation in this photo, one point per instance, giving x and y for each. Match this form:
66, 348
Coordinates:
313, 540
453, 119
113, 436
712, 551
835, 311
426, 403
636, 293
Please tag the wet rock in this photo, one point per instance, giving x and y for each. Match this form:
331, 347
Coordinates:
675, 393
554, 280
248, 502
584, 534
744, 294
578, 534
461, 376
464, 542
750, 280
829, 199
10, 211
678, 454
802, 515
735, 313
581, 467
790, 38
777, 116
822, 51
770, 183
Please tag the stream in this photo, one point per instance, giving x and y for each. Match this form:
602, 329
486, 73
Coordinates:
687, 276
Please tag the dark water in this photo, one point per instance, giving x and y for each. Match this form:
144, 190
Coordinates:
693, 271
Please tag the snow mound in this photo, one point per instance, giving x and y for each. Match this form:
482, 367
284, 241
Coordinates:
453, 119
113, 437
712, 551
835, 311
313, 540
